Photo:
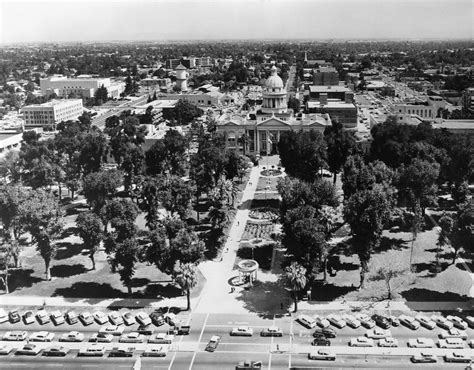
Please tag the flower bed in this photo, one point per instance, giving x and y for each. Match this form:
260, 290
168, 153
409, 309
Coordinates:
261, 230
264, 213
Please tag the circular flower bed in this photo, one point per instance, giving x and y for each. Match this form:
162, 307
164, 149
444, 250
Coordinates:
271, 172
264, 213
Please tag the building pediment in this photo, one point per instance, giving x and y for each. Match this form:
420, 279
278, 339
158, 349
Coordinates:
273, 121
230, 123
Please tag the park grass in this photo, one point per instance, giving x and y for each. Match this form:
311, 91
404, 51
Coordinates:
263, 182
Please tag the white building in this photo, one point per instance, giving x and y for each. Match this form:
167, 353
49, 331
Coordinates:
51, 113
83, 85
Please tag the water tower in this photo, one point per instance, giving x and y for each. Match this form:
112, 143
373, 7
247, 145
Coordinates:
181, 78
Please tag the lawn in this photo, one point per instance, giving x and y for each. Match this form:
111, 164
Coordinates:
270, 182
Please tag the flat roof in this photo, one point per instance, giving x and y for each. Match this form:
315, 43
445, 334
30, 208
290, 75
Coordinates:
331, 104
53, 103
323, 88
466, 124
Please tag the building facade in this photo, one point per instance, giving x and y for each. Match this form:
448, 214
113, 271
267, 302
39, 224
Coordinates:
85, 86
49, 114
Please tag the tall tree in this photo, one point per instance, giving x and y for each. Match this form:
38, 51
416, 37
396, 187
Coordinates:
100, 186
90, 230
296, 279
185, 275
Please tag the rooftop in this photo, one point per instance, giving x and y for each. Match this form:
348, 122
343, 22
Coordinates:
464, 124
54, 103
323, 89
331, 104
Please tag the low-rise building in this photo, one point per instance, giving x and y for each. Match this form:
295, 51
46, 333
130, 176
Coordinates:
84, 86
49, 114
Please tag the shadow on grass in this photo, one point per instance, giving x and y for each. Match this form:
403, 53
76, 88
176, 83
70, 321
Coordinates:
432, 268
89, 290
387, 243
263, 255
67, 250
322, 291
426, 295
20, 278
63, 271
139, 282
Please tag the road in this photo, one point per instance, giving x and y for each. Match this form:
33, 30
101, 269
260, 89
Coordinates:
99, 121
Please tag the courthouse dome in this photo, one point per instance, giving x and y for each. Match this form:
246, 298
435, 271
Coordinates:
274, 81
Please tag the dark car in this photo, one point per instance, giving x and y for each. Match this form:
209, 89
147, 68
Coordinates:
321, 341
14, 317
249, 365
327, 333
181, 330
145, 329
122, 352
382, 321
157, 318
57, 351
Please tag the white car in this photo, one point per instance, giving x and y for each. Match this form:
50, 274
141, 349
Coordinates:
457, 322
132, 337
41, 336
3, 316
470, 321
15, 335
453, 333
86, 318
361, 342
100, 317
143, 318
421, 343
42, 317
442, 322
242, 331
102, 338
57, 317
111, 329
410, 322
128, 318
388, 342
322, 354
351, 321
451, 343
426, 322
336, 320
155, 351
72, 336
95, 350
171, 319
28, 349
365, 320
115, 318
377, 333
321, 321
28, 317
161, 338
457, 357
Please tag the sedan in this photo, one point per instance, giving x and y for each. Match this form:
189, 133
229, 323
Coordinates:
336, 320
161, 338
377, 333
382, 321
442, 322
365, 320
470, 321
426, 322
115, 318
111, 329
361, 342
322, 354
71, 317
157, 318
3, 315
128, 318
145, 329
156, 351
14, 317
388, 342
242, 331
171, 319
15, 335
57, 351
43, 317
321, 321
57, 317
272, 331
457, 357
41, 336
424, 358
328, 333
28, 317
351, 321
143, 318
453, 333
29, 350
72, 336
457, 322
86, 318
455, 343
122, 352
101, 338
132, 337
409, 322
321, 341
213, 343
100, 317
5, 350
95, 350
421, 343
394, 321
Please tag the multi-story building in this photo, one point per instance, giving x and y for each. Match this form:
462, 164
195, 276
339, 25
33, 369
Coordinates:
468, 101
84, 85
326, 76
49, 114
172, 63
425, 111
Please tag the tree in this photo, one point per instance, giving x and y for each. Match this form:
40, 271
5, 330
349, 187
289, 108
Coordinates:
123, 257
296, 279
6, 254
185, 275
100, 186
182, 113
101, 95
90, 230
387, 269
244, 140
121, 213
167, 155
294, 104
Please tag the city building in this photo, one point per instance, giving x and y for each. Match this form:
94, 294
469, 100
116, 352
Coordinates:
425, 111
49, 114
10, 140
264, 126
458, 126
84, 86
326, 76
468, 101
172, 63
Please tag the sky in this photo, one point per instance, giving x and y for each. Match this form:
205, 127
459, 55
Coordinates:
161, 20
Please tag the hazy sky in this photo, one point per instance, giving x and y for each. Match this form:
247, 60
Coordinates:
101, 20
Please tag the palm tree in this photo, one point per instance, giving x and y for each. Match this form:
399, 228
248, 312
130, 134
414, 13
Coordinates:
296, 278
185, 275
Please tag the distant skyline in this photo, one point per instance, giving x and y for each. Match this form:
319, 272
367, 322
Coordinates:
155, 20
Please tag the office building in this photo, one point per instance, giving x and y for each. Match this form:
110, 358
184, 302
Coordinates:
84, 86
49, 114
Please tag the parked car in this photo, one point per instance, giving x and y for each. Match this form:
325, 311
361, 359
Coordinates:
249, 365
71, 317
3, 316
351, 321
388, 342
365, 320
442, 322
5, 350
424, 358
29, 350
100, 317
321, 321
41, 336
143, 318
157, 318
322, 354
43, 317
14, 317
161, 338
361, 342
180, 330
421, 343
470, 321
17, 335
171, 319
72, 336
213, 343
321, 341
455, 343
426, 322
28, 317
86, 318
242, 331
56, 351
336, 320
272, 331
145, 329
122, 352
101, 338
378, 333
457, 357
306, 321
382, 321
128, 318
155, 351
57, 318
457, 322
132, 337
409, 322
111, 329
471, 343
115, 318
94, 350
453, 333
394, 321
328, 333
